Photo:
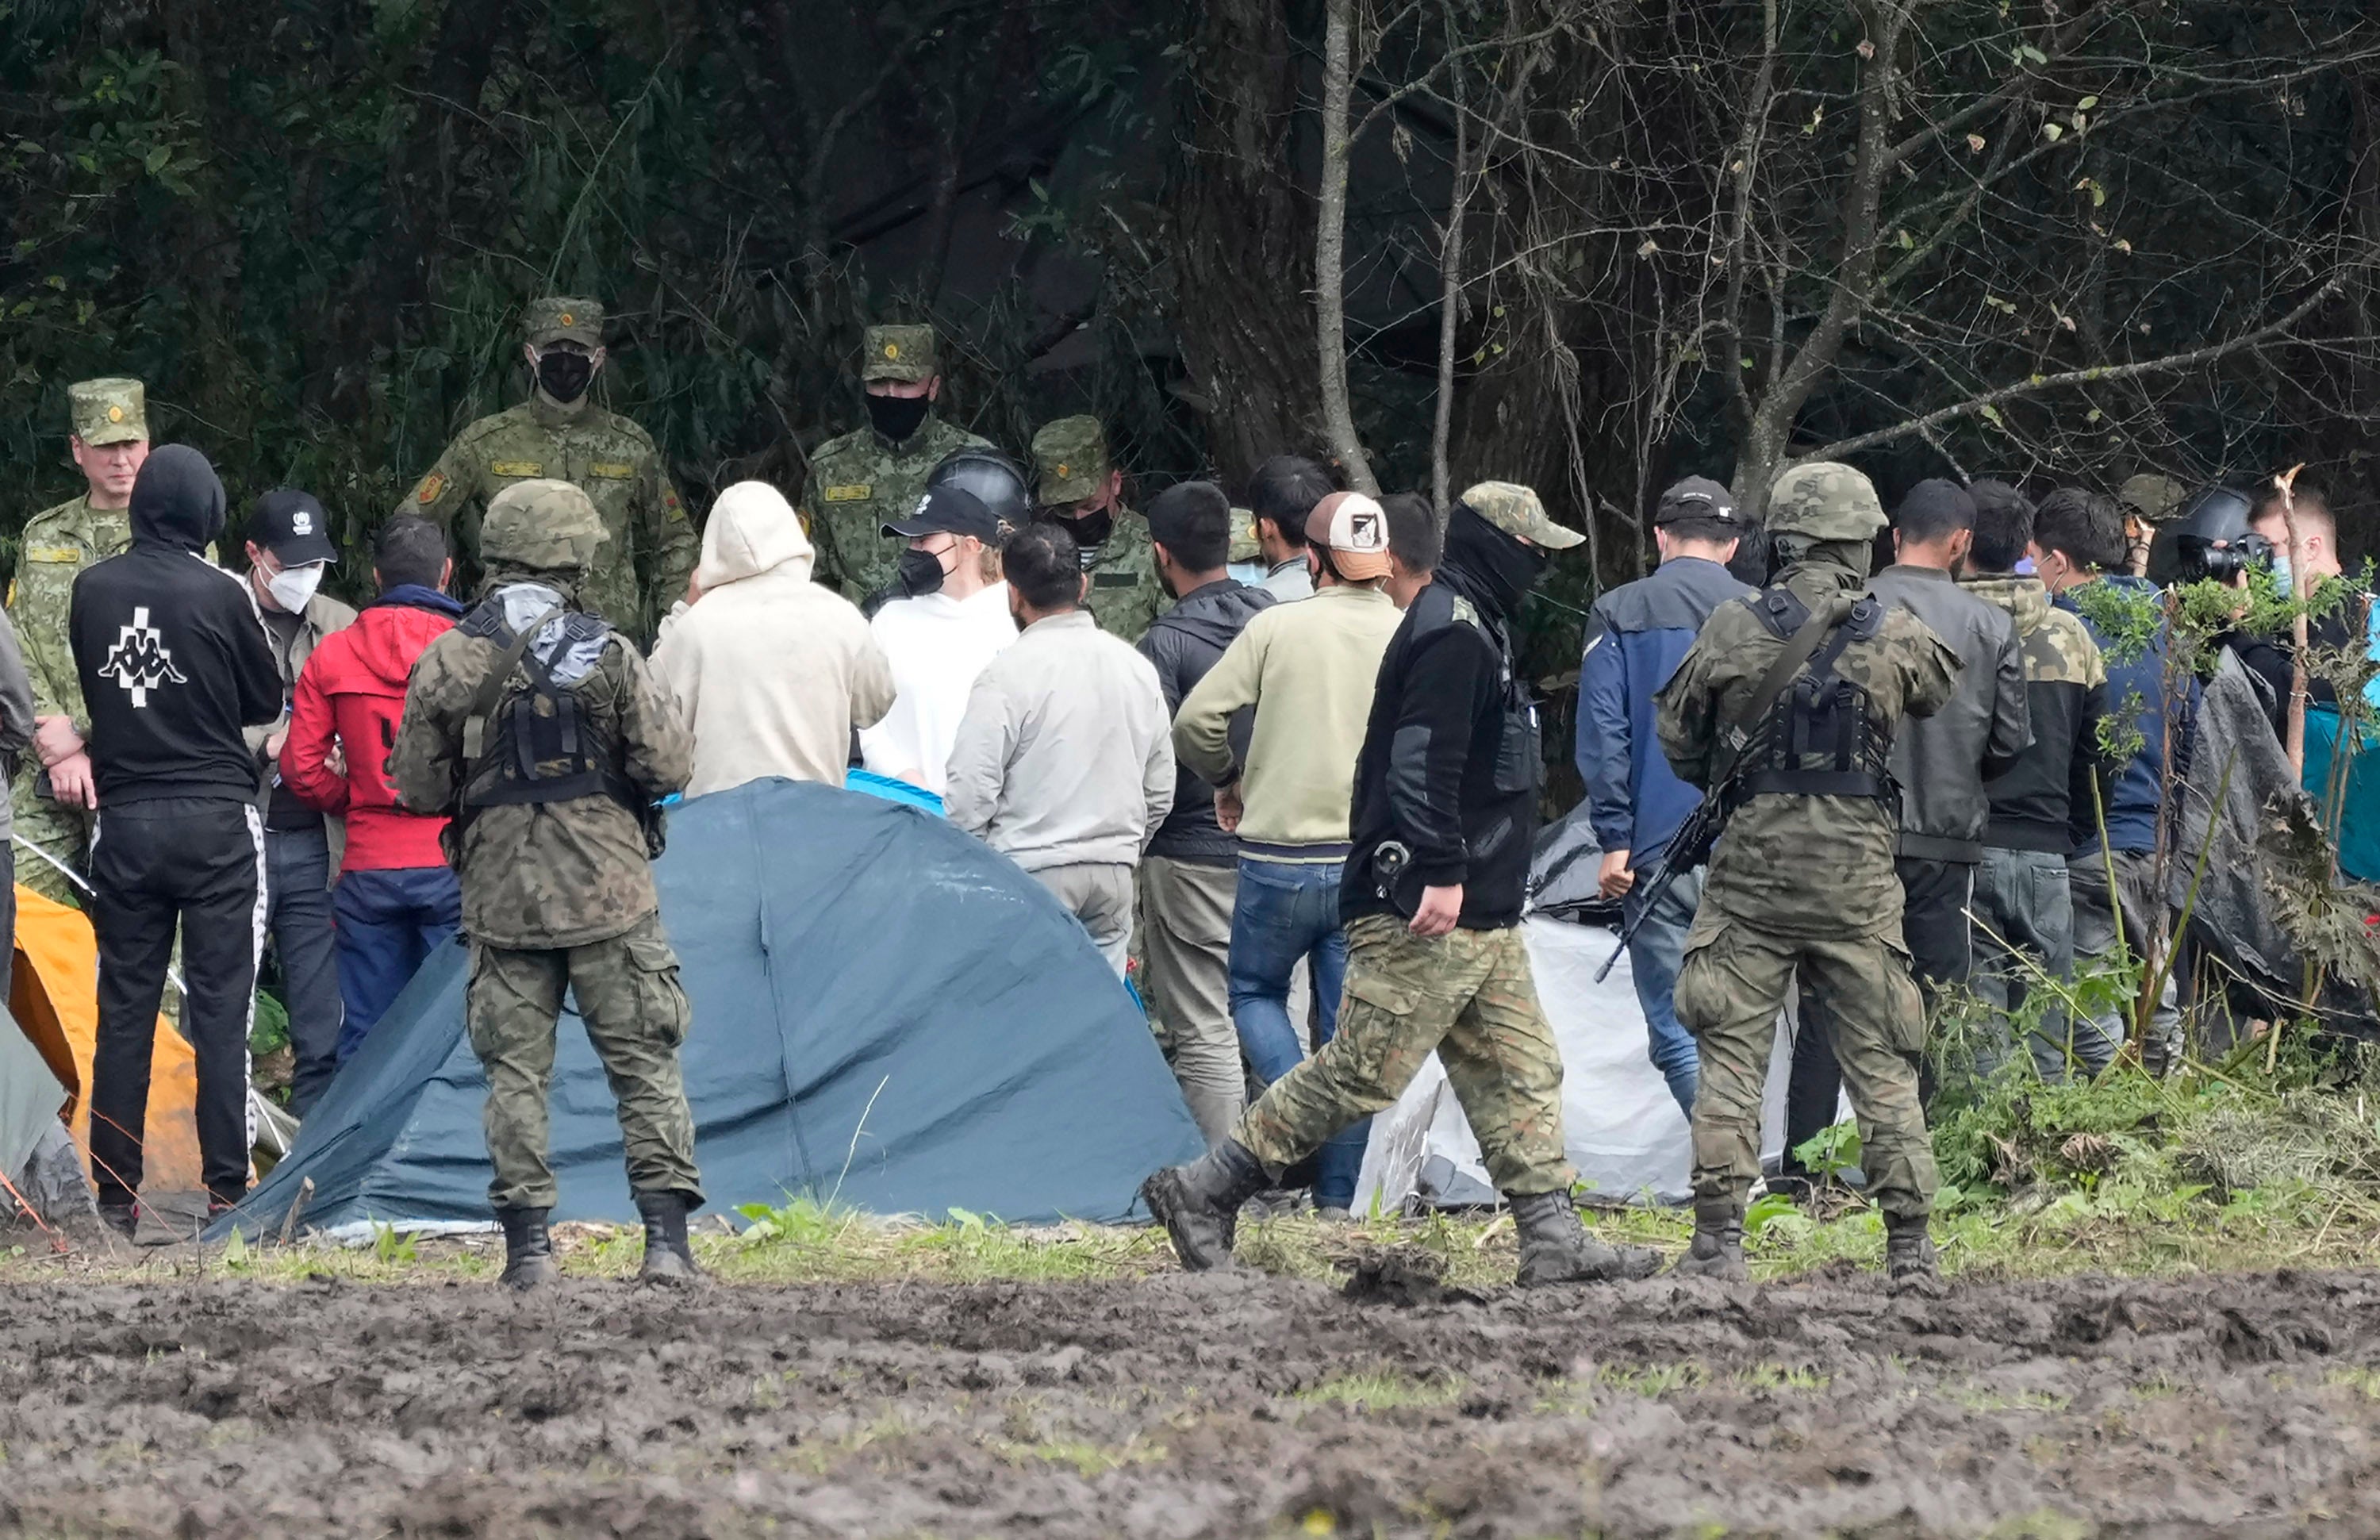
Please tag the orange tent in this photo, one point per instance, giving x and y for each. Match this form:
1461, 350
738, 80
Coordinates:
54, 994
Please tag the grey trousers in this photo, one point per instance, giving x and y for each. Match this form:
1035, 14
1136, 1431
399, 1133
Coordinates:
1185, 940
2025, 930
1099, 893
2105, 922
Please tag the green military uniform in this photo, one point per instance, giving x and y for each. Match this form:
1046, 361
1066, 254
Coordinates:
557, 893
1803, 881
863, 481
651, 548
58, 544
1070, 467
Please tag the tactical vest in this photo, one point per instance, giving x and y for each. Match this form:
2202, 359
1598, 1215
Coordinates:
536, 742
1821, 714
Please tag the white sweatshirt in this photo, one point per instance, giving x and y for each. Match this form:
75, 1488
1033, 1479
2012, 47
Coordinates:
936, 645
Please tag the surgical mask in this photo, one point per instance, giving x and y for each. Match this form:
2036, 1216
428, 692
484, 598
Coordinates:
920, 572
565, 372
897, 417
292, 587
2281, 570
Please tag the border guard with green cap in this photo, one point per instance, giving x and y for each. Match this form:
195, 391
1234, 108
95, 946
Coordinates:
560, 434
865, 480
1079, 490
1784, 710
52, 795
547, 740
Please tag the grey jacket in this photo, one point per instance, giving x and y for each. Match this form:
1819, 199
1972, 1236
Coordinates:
1943, 760
16, 708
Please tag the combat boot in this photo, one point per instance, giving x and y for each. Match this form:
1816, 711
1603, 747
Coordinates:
1717, 1249
1199, 1203
668, 1256
528, 1250
1556, 1248
1909, 1262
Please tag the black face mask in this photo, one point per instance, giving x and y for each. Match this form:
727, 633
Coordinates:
897, 417
1502, 567
564, 374
1090, 532
920, 572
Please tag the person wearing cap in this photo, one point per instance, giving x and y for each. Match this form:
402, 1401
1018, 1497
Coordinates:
52, 796
872, 477
560, 433
2148, 500
938, 638
1063, 761
1635, 636
289, 549
1078, 489
1307, 669
1446, 790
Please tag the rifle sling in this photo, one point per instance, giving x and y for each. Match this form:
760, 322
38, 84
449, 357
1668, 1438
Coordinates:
1798, 652
491, 692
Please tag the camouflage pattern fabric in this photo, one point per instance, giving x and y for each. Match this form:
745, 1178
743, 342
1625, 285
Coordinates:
57, 544
1516, 509
859, 483
2057, 647
637, 1017
1467, 995
559, 318
652, 549
1070, 461
1730, 988
903, 353
1126, 596
1826, 502
108, 411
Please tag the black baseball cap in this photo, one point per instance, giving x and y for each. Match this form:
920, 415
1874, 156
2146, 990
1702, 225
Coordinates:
292, 525
949, 509
1695, 497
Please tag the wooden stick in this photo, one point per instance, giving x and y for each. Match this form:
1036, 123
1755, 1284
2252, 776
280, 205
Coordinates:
2295, 742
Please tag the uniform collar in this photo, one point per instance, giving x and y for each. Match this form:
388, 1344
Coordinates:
546, 412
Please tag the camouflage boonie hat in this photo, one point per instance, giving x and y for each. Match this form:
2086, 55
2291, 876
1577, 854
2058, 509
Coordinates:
108, 411
1515, 510
902, 353
1070, 461
1826, 502
549, 526
554, 319
2151, 496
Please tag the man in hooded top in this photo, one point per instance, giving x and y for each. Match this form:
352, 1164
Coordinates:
173, 664
771, 670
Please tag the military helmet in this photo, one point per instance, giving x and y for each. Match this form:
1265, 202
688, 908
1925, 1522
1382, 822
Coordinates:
998, 482
546, 525
1825, 501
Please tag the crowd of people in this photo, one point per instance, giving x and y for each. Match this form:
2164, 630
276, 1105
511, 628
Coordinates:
1276, 754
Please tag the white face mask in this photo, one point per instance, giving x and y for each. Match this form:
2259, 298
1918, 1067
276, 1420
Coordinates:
292, 587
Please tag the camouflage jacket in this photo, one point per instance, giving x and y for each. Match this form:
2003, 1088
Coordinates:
1126, 595
541, 876
58, 544
641, 569
1801, 866
859, 484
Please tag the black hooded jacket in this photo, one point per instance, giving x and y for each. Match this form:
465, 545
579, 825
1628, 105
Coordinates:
173, 657
1184, 644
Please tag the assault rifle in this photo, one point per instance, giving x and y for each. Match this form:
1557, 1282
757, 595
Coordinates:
1688, 848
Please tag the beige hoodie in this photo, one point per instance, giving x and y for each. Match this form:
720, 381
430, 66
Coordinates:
772, 670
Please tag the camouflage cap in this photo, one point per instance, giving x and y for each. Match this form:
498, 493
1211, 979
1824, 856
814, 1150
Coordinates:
2151, 496
902, 353
1070, 461
1515, 510
1826, 501
556, 319
1244, 537
108, 411
546, 525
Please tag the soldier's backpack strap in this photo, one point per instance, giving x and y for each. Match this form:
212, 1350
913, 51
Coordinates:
491, 689
1807, 637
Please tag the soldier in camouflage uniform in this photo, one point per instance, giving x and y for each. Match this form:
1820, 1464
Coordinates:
559, 433
865, 480
556, 863
1445, 804
52, 795
1803, 877
1078, 489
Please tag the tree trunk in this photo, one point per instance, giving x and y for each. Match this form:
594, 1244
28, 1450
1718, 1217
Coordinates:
1330, 247
1449, 310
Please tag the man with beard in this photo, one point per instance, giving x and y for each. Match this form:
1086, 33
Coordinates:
867, 479
560, 434
1077, 489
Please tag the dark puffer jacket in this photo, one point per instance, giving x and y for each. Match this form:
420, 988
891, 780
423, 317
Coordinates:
1185, 643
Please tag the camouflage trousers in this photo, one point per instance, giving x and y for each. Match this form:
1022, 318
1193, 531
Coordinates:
1730, 988
636, 1014
62, 833
1468, 996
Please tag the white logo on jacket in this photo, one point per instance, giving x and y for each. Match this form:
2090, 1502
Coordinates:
140, 661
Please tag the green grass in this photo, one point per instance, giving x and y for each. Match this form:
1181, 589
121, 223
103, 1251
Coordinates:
1386, 1390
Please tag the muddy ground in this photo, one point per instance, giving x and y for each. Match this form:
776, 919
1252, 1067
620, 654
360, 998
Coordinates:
1178, 1407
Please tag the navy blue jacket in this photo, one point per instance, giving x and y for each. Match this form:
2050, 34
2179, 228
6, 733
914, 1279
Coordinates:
2136, 699
1636, 635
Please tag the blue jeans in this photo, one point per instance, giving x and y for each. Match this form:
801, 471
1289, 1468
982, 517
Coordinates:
1652, 958
1282, 912
388, 923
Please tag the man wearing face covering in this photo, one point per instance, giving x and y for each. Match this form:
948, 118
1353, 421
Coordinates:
289, 549
1790, 698
865, 480
559, 433
173, 665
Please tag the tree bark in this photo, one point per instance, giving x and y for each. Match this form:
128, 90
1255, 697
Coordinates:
1330, 247
1449, 310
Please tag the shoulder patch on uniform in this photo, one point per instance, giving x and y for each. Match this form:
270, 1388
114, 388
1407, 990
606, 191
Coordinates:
432, 485
613, 470
54, 553
672, 508
850, 491
516, 467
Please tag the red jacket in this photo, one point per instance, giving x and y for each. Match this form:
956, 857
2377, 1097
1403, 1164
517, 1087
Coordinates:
352, 690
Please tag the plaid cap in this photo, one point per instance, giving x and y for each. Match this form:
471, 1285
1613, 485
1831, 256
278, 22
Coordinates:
1515, 510
559, 318
108, 411
900, 353
1695, 497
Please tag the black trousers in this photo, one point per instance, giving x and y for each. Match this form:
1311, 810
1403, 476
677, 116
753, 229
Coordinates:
1934, 897
197, 861
297, 920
